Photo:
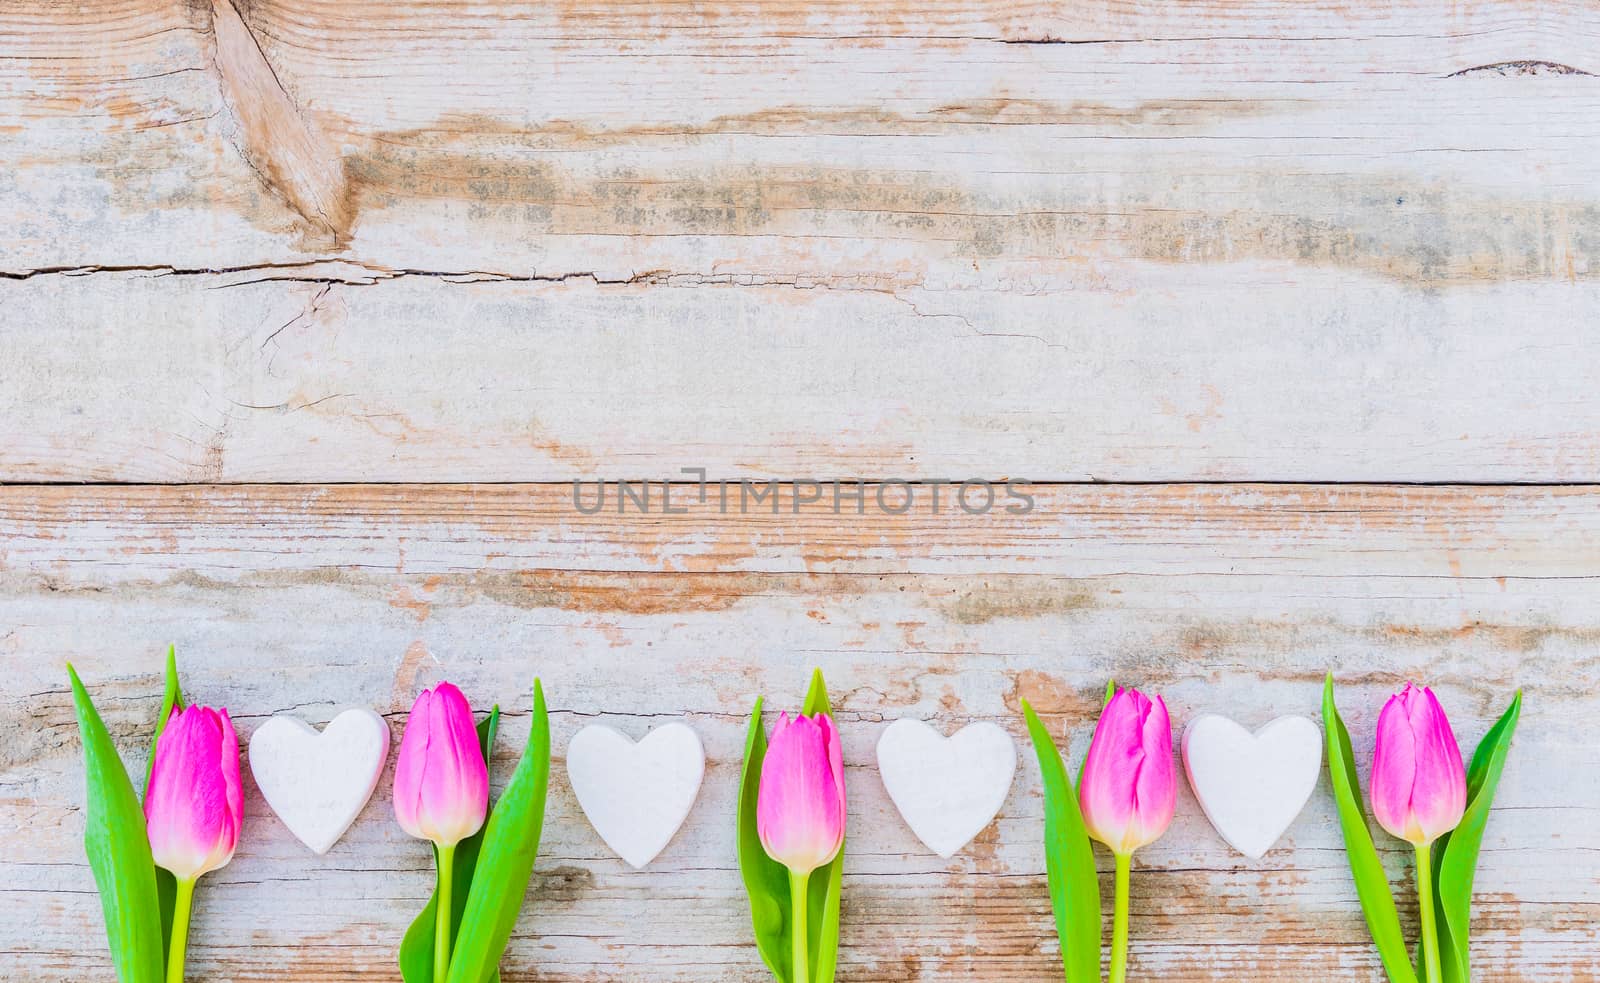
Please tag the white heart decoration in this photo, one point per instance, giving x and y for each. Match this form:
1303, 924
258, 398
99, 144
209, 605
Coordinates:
1252, 786
319, 783
948, 789
636, 795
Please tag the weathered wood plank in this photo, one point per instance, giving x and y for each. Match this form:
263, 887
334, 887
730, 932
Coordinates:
1258, 240
1237, 599
215, 378
1425, 142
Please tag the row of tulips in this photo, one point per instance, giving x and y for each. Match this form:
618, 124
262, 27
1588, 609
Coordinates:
1125, 798
791, 829
147, 859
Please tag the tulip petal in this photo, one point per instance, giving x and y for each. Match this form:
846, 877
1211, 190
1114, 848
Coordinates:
1155, 789
233, 789
835, 758
441, 783
1113, 754
194, 803
1128, 789
1419, 784
1440, 795
1394, 768
800, 806
409, 766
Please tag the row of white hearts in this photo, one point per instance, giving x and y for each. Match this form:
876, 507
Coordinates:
1251, 786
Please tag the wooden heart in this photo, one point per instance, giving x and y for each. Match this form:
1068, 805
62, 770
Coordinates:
948, 789
319, 783
636, 795
1252, 786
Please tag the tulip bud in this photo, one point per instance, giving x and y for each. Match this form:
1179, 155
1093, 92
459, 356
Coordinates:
800, 805
1419, 785
441, 783
1128, 789
194, 804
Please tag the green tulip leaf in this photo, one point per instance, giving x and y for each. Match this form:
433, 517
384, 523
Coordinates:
766, 881
118, 848
416, 949
1455, 855
505, 859
1372, 884
166, 884
1069, 861
825, 889
171, 699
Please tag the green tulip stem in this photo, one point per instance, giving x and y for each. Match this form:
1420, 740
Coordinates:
182, 905
1430, 931
443, 913
1119, 921
799, 940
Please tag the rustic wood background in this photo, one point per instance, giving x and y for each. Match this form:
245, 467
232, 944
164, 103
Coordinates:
311, 310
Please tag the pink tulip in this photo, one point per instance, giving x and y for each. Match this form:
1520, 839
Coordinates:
1128, 789
800, 805
441, 783
1419, 786
194, 805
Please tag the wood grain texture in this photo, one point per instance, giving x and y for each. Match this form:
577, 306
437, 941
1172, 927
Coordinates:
310, 242
1218, 375
302, 599
1243, 241
1043, 145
